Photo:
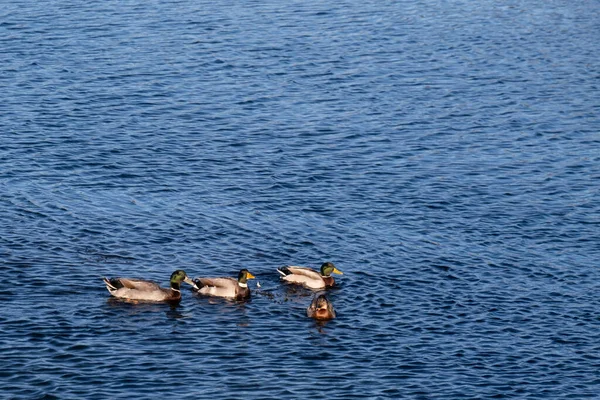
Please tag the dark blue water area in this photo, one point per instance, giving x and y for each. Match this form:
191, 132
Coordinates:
445, 155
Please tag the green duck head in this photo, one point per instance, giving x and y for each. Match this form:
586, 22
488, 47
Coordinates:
328, 268
244, 275
180, 276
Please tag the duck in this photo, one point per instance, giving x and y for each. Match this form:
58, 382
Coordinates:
310, 278
321, 308
144, 290
236, 289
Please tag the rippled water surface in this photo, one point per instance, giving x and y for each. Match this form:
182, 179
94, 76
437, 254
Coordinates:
444, 154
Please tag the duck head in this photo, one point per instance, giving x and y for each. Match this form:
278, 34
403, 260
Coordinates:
243, 277
180, 276
328, 268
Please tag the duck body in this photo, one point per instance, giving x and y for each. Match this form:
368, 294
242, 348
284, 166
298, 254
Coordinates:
144, 290
309, 277
321, 308
236, 289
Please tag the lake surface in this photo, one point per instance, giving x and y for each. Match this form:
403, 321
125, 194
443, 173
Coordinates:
445, 155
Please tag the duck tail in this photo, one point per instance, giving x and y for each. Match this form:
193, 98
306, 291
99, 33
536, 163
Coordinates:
111, 284
197, 284
284, 271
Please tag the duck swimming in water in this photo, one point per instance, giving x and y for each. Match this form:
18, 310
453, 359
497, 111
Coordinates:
232, 288
144, 290
321, 308
310, 278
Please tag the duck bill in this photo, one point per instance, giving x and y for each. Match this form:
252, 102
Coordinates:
190, 282
250, 276
337, 271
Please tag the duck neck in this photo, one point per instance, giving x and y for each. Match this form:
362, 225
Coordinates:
329, 281
176, 287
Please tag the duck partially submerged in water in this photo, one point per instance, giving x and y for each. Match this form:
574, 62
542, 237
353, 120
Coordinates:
143, 290
310, 278
321, 308
231, 288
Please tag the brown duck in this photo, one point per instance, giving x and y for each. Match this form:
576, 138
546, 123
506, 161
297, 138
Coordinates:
321, 308
143, 290
310, 278
231, 288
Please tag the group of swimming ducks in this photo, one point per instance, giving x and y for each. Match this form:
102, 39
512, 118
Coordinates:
137, 290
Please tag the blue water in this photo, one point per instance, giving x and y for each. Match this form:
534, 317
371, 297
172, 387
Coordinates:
444, 154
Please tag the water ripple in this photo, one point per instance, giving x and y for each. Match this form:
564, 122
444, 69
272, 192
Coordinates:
444, 156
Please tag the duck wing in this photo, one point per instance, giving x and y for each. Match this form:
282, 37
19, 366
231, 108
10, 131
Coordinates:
221, 287
304, 271
135, 284
136, 289
312, 308
303, 276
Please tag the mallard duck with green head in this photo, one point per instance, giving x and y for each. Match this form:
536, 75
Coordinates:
231, 288
321, 308
144, 290
310, 278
